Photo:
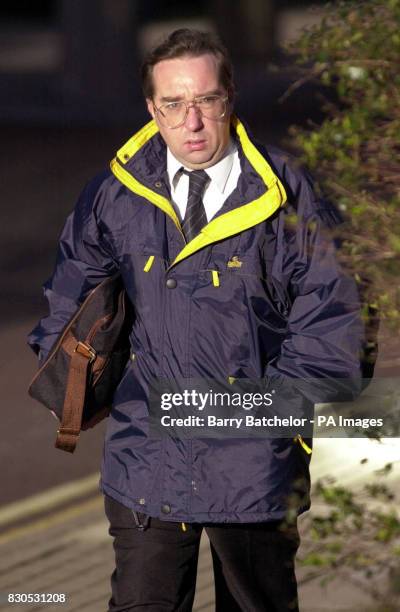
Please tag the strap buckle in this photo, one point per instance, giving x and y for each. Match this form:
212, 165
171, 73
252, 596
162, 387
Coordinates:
86, 350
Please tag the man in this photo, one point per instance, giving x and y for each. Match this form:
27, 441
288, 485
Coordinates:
222, 249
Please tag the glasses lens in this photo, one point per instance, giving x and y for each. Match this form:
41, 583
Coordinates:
212, 107
172, 114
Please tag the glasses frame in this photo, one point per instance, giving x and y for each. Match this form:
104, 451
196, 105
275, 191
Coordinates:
188, 105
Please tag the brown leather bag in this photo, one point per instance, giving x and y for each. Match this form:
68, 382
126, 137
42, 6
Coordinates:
79, 377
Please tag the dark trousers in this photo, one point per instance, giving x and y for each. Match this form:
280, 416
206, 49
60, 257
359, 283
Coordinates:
156, 567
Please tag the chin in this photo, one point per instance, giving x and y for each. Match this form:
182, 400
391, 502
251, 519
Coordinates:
199, 158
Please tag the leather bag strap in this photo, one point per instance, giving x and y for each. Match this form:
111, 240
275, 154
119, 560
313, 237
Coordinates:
68, 433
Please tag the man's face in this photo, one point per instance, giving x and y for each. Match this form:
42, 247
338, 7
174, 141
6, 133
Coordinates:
199, 142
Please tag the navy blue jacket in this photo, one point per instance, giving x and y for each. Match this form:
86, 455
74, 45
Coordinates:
257, 294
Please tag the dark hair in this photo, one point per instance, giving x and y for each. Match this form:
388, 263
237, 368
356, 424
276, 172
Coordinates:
192, 43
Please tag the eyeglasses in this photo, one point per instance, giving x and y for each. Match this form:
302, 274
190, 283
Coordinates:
174, 114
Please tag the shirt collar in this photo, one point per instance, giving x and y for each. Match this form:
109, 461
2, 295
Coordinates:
219, 173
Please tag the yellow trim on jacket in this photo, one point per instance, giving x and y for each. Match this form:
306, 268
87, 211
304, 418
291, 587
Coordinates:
225, 225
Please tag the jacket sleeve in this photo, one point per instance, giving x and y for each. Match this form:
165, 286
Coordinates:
84, 259
320, 354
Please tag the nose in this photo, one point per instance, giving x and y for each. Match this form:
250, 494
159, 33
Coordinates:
194, 120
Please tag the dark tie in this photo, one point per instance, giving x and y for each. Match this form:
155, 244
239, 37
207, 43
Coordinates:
195, 215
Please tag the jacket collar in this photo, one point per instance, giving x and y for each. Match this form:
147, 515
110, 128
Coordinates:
150, 167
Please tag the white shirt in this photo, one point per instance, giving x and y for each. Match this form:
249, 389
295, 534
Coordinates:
224, 176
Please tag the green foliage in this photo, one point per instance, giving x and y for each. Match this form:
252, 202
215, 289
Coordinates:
355, 152
357, 532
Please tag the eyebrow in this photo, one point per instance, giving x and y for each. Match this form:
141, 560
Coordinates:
213, 92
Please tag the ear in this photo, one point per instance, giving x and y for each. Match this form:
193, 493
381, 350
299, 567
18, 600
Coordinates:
150, 107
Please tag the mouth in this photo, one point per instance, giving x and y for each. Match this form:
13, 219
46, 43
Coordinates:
195, 145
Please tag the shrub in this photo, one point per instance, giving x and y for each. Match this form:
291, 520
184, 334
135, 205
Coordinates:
355, 152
